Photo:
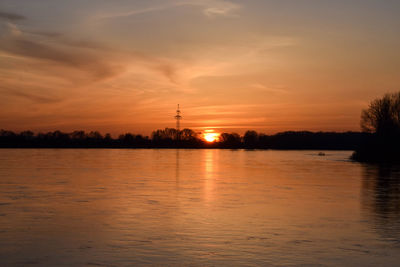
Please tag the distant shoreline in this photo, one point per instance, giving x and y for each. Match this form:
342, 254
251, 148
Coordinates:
186, 139
185, 148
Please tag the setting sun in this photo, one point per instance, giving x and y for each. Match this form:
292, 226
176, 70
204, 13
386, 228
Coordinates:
211, 137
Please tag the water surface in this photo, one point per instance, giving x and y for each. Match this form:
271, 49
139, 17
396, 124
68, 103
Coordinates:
196, 207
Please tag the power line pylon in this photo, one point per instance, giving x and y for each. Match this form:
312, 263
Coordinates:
178, 118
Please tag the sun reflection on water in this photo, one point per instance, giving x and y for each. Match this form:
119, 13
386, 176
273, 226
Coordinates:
209, 173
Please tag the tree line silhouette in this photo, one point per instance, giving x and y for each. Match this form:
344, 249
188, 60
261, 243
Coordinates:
186, 138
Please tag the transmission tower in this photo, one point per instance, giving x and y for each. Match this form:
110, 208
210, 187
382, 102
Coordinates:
178, 118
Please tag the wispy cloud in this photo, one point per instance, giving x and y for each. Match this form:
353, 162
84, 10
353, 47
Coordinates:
169, 71
210, 8
42, 99
266, 88
32, 49
11, 16
98, 61
14, 41
127, 13
36, 98
221, 8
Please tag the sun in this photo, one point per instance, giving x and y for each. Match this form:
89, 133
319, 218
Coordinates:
211, 137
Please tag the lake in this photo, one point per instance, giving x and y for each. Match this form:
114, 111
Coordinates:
124, 207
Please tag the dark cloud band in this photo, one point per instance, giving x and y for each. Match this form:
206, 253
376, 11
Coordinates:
11, 16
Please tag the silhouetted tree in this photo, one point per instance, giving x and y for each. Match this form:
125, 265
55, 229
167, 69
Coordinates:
4, 133
107, 137
188, 135
250, 139
167, 133
95, 135
27, 135
78, 135
230, 140
382, 116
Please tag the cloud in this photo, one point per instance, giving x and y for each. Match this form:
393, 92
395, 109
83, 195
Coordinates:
11, 16
98, 61
11, 29
17, 43
168, 70
265, 88
33, 97
221, 8
45, 34
32, 49
210, 8
127, 13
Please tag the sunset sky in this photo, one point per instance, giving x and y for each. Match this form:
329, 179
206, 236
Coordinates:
123, 66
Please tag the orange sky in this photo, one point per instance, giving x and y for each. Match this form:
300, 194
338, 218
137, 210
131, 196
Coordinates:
122, 66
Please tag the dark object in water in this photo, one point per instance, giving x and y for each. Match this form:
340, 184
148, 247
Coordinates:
321, 154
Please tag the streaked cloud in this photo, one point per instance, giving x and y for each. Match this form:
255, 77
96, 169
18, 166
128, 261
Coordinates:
17, 43
42, 99
221, 8
210, 8
11, 16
